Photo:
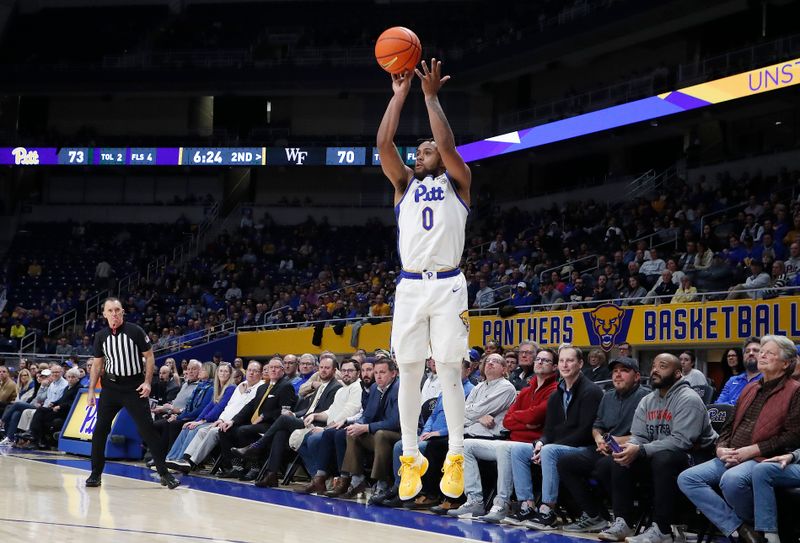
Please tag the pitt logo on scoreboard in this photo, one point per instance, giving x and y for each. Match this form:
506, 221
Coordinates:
607, 325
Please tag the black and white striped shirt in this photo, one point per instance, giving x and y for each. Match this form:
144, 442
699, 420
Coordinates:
122, 349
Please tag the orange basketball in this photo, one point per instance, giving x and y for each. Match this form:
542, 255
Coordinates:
398, 50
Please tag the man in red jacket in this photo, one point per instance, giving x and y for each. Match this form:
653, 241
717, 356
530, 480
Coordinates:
525, 419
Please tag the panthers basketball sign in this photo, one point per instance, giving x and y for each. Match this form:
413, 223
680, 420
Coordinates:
720, 323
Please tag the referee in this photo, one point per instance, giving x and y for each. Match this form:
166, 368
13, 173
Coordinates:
119, 350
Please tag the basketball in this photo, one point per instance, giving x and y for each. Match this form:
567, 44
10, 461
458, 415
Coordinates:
398, 50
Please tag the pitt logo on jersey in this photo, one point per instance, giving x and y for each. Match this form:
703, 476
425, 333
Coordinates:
421, 193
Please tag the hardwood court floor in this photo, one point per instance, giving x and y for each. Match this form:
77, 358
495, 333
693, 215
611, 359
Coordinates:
43, 499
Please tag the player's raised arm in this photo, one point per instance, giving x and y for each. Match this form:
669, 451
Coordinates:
432, 81
392, 165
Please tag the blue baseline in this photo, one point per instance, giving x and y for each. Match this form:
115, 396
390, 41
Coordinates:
339, 508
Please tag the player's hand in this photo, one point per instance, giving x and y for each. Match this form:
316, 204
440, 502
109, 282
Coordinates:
401, 83
144, 390
432, 79
90, 398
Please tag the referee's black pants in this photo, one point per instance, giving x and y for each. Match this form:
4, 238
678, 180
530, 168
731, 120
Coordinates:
115, 396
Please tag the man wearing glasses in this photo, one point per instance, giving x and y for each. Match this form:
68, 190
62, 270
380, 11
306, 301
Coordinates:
525, 418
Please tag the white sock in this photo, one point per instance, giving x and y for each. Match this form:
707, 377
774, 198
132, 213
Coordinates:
409, 401
453, 399
772, 537
544, 509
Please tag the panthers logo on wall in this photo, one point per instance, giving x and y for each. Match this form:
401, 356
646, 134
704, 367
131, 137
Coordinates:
465, 319
607, 325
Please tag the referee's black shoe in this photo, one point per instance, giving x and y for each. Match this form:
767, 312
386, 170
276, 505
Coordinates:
168, 480
93, 480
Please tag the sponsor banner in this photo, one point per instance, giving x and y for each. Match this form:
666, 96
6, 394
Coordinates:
699, 324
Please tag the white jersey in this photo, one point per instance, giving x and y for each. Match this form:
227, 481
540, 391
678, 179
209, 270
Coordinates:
431, 219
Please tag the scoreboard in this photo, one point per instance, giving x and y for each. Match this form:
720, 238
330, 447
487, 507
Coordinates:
197, 156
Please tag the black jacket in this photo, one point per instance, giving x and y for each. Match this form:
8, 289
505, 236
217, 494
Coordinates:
573, 428
282, 393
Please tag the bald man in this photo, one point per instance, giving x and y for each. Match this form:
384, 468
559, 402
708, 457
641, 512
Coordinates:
670, 428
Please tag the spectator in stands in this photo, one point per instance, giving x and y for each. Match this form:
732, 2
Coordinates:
255, 418
521, 296
571, 411
525, 419
603, 291
62, 347
732, 364
164, 388
753, 285
704, 257
752, 229
579, 292
670, 427
92, 325
651, 268
485, 296
346, 404
8, 388
233, 293
511, 362
735, 253
191, 377
307, 366
17, 332
221, 393
49, 418
736, 384
85, 348
275, 442
27, 386
208, 436
694, 376
686, 293
766, 423
378, 429
663, 290
169, 428
380, 308
793, 262
309, 388
634, 293
550, 295
596, 369
13, 413
768, 248
793, 234
614, 418
686, 261
777, 281
526, 354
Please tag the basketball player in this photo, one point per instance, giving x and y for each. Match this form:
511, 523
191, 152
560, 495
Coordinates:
431, 205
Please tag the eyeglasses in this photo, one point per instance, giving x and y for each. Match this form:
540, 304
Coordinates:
542, 360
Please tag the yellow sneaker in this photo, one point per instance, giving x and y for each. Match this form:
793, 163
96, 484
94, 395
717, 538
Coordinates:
411, 471
452, 484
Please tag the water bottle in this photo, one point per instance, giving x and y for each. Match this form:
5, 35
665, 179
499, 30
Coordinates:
612, 443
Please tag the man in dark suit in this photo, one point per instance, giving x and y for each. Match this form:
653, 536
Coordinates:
256, 417
275, 442
377, 430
